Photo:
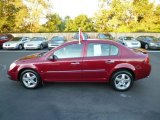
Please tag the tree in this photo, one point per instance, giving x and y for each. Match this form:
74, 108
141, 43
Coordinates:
20, 16
7, 15
81, 21
36, 10
54, 23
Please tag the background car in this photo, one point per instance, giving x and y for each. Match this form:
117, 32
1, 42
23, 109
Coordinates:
105, 36
16, 43
76, 36
4, 38
56, 41
129, 42
149, 42
90, 61
36, 43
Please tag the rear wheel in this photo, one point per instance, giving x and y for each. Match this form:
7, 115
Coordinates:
122, 80
30, 79
146, 46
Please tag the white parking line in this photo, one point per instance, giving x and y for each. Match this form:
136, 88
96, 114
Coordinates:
153, 51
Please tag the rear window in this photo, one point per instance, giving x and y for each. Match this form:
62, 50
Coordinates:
98, 49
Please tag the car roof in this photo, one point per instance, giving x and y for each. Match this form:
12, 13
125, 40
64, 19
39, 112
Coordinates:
94, 40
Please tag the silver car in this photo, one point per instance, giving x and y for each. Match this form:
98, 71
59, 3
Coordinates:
129, 42
16, 43
36, 43
56, 41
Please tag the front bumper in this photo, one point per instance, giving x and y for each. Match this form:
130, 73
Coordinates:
7, 48
32, 47
12, 75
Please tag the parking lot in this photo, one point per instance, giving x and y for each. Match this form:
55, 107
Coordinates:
78, 101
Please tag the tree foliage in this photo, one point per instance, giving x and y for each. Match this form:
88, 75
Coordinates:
81, 21
53, 24
112, 16
135, 16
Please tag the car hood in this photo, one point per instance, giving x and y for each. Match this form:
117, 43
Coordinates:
12, 42
34, 42
29, 57
131, 41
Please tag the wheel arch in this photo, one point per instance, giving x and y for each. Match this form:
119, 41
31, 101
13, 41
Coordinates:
23, 69
122, 69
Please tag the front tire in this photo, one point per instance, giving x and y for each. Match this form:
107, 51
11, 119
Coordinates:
30, 79
41, 47
20, 47
122, 80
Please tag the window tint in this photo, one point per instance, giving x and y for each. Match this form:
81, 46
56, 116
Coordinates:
104, 36
3, 37
95, 49
70, 51
113, 50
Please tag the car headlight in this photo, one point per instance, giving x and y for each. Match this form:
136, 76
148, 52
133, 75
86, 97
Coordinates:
12, 66
152, 44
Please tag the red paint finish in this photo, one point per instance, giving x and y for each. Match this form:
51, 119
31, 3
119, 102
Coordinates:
96, 68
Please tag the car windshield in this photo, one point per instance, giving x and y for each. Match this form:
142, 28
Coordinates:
107, 36
128, 38
76, 36
16, 38
3, 37
152, 39
36, 39
57, 40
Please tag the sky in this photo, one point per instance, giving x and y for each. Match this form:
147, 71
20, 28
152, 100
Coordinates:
74, 8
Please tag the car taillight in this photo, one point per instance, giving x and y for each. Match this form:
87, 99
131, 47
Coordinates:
147, 60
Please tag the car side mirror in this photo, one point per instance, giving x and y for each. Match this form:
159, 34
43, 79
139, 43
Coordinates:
52, 57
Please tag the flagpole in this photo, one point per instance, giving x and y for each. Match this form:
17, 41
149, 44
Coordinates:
79, 35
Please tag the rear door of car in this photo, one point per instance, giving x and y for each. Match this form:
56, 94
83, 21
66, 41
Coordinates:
99, 60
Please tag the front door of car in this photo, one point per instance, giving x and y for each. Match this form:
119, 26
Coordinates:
99, 60
67, 66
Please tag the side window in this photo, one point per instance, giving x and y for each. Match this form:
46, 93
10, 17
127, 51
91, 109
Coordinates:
113, 50
70, 51
95, 49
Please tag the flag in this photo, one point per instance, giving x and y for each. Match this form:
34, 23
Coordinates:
81, 37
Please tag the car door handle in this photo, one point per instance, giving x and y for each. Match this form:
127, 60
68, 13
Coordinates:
75, 63
110, 61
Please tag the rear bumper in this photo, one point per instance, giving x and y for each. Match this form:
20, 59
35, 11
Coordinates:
144, 72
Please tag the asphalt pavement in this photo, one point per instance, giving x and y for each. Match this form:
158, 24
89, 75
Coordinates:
78, 101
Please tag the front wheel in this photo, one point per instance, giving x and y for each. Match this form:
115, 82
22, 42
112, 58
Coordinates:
122, 80
41, 47
20, 47
30, 79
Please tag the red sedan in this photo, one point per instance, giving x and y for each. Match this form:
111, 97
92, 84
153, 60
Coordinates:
90, 61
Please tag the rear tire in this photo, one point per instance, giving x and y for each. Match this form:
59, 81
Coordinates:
146, 46
30, 79
122, 80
